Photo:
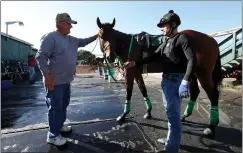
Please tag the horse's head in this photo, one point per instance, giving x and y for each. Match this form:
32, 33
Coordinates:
107, 42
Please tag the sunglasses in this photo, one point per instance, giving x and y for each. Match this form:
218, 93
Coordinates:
67, 23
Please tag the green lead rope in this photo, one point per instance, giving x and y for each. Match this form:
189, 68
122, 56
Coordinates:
129, 52
130, 47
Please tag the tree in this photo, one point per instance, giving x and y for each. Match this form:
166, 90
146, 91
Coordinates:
85, 57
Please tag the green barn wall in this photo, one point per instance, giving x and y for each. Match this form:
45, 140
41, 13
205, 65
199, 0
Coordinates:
14, 50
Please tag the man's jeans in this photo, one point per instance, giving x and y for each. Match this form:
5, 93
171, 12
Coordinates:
57, 102
31, 74
172, 103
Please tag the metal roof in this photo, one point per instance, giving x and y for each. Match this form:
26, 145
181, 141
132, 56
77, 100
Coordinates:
224, 32
17, 39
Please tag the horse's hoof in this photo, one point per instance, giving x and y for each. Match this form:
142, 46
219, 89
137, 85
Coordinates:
121, 118
183, 118
147, 116
208, 132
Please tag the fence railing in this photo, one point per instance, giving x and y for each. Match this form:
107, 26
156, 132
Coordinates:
231, 48
231, 55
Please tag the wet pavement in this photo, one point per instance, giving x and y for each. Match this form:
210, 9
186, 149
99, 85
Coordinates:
89, 138
93, 108
31, 109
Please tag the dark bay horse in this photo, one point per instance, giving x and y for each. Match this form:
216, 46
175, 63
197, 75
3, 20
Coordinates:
208, 68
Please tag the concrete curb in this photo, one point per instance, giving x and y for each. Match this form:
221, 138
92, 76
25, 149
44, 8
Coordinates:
45, 125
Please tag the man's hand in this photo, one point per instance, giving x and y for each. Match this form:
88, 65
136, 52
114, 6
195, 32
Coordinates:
49, 81
183, 89
100, 33
129, 64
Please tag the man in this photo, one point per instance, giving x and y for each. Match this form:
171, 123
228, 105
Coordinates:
31, 66
57, 61
180, 60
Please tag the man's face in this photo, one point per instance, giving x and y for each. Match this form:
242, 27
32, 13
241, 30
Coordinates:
65, 27
165, 28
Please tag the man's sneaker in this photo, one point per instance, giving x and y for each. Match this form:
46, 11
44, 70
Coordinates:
66, 128
162, 140
58, 141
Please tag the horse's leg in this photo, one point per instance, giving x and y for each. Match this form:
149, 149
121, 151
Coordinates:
142, 87
213, 94
194, 92
129, 79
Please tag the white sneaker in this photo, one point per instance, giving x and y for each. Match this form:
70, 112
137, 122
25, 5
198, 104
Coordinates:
66, 128
58, 141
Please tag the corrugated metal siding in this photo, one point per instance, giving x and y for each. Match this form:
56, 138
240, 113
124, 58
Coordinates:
14, 50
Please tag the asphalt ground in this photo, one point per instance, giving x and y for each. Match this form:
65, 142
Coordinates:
95, 105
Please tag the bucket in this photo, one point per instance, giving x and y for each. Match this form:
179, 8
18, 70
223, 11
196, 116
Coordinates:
111, 72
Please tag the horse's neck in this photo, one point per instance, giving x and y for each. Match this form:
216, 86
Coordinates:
126, 40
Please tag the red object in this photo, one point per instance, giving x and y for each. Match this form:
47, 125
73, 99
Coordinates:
31, 61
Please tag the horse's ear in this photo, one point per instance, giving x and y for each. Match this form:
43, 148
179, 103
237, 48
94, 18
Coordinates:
113, 23
99, 23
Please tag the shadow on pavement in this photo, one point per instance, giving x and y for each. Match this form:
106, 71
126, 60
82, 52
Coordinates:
227, 137
224, 137
195, 149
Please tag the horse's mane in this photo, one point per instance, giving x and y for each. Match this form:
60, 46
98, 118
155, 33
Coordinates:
136, 34
122, 34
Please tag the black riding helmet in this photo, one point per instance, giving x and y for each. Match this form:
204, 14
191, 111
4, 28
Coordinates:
170, 17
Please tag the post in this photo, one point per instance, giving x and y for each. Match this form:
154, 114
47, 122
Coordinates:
234, 46
6, 28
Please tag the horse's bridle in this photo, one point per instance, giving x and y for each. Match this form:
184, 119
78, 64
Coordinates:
103, 49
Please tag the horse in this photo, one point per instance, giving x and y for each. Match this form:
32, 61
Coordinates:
208, 68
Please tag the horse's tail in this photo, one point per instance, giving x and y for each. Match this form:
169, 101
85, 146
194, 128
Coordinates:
217, 72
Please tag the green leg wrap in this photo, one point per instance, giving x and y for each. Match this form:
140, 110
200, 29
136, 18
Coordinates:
189, 108
127, 107
148, 104
214, 115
